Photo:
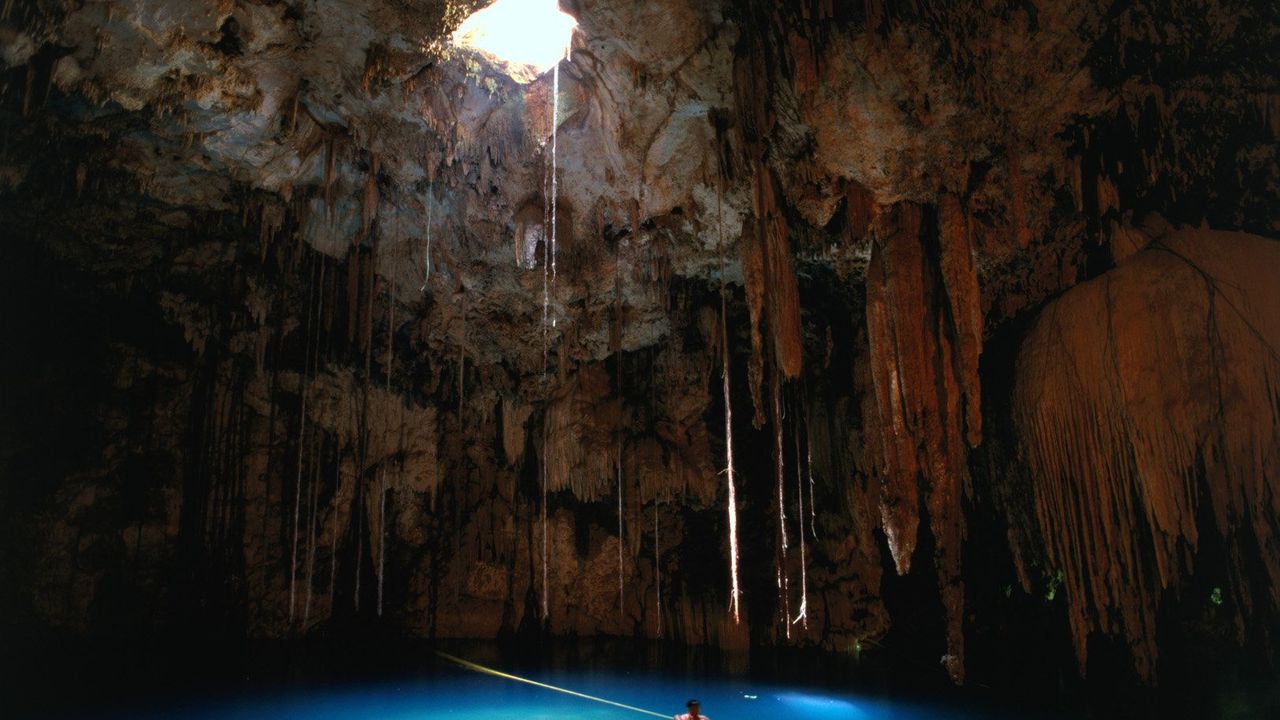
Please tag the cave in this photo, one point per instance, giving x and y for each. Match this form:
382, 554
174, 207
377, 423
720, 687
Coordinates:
574, 358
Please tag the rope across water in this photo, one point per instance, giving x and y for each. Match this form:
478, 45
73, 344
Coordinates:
508, 676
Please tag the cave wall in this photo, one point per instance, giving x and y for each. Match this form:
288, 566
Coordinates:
291, 356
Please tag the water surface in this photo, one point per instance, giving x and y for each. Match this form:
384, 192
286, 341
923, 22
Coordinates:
463, 695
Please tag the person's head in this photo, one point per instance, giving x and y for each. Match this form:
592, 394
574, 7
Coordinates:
695, 708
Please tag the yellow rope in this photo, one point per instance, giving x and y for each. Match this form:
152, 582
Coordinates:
507, 676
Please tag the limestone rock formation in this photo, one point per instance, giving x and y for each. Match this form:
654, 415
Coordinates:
1148, 404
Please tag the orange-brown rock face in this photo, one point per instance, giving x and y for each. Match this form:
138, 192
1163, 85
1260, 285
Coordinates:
1147, 401
922, 320
898, 329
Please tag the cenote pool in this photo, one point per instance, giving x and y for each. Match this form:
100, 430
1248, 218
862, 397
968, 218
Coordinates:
462, 695
377, 680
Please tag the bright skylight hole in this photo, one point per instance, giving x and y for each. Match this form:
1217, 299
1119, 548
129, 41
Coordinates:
530, 33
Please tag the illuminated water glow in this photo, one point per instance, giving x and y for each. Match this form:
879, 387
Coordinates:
459, 694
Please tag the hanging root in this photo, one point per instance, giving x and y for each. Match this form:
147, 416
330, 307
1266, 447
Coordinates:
735, 596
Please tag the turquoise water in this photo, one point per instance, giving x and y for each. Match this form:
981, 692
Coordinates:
376, 679
470, 696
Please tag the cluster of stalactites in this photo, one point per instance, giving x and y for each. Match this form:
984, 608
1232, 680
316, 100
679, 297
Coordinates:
581, 424
380, 421
514, 418
1141, 397
773, 296
924, 329
586, 442
769, 279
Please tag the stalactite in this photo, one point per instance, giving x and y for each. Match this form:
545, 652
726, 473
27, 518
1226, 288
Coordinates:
894, 288
753, 277
960, 277
573, 428
768, 274
772, 294
1144, 400
923, 347
782, 298
515, 418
